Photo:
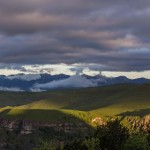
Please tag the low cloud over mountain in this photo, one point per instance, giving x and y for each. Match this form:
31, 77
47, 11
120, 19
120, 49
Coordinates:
43, 82
13, 89
71, 82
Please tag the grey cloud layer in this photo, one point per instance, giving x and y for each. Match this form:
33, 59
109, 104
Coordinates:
114, 34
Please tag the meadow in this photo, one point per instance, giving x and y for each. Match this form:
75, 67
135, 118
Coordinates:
77, 104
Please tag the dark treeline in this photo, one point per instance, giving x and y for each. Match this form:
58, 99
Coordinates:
111, 136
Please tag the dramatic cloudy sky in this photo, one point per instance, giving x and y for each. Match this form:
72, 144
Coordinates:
75, 35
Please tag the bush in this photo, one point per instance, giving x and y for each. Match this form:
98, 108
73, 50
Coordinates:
136, 142
45, 146
75, 145
148, 138
91, 143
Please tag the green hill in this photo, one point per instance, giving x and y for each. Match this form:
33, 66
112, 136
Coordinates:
116, 100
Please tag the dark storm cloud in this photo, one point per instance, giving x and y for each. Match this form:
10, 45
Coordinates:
114, 35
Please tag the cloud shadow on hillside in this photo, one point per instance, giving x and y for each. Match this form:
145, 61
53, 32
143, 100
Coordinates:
140, 112
45, 116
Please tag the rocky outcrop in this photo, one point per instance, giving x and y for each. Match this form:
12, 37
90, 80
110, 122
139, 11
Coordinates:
134, 123
139, 124
26, 126
98, 121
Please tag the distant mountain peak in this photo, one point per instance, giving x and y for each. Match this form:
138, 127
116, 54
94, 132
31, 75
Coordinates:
26, 82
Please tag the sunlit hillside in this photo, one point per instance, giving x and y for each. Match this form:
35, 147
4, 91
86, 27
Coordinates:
85, 104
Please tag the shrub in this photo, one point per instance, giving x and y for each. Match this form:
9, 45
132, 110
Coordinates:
91, 143
75, 145
45, 146
136, 142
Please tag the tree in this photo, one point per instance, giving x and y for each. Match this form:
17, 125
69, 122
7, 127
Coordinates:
112, 135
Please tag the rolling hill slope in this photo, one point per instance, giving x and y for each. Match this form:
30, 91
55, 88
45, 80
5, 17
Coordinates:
122, 99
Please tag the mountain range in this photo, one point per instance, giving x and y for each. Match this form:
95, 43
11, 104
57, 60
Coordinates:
42, 82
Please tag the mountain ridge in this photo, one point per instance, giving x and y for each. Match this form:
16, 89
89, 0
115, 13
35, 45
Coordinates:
23, 82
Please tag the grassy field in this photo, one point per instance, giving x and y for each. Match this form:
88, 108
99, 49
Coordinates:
77, 104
